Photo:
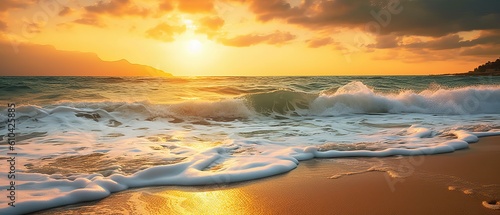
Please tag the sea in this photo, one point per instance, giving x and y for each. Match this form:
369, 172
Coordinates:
68, 140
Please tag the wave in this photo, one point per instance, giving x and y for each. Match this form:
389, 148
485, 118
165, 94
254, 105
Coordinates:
15, 88
137, 144
280, 101
194, 171
352, 98
356, 97
228, 90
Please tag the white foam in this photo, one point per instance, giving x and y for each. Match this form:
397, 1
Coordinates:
137, 144
38, 191
356, 97
494, 206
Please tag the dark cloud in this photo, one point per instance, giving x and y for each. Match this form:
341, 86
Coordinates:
387, 41
403, 17
487, 37
486, 44
482, 51
65, 11
275, 38
270, 9
315, 13
440, 18
454, 41
451, 41
165, 32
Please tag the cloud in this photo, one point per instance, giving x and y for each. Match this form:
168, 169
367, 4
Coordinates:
386, 41
65, 11
451, 41
166, 6
314, 13
187, 6
210, 25
487, 37
90, 19
8, 5
319, 42
399, 17
196, 6
454, 41
117, 8
165, 32
121, 8
483, 50
440, 18
33, 27
414, 55
3, 26
5, 5
276, 38
270, 9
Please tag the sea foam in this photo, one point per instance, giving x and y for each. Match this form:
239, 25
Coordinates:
81, 151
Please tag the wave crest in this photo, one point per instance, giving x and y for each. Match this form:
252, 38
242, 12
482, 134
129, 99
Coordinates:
356, 97
280, 101
352, 98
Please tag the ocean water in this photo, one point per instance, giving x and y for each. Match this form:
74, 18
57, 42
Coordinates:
83, 138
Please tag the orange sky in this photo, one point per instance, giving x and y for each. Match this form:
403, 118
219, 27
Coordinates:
266, 37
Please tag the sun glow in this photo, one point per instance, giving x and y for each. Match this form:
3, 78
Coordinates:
189, 24
194, 46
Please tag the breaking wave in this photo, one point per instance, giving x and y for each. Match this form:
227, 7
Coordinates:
353, 98
76, 151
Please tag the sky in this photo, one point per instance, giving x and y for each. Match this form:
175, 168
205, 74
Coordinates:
266, 37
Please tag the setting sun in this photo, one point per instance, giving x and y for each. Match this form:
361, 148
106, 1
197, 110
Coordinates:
249, 106
194, 46
306, 35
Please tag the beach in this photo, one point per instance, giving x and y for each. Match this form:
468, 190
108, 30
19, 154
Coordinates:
249, 107
248, 144
451, 183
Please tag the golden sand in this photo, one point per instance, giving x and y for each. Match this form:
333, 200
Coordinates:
463, 182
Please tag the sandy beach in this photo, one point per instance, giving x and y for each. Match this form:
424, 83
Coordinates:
249, 107
453, 183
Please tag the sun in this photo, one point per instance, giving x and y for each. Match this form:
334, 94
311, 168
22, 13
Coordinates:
194, 46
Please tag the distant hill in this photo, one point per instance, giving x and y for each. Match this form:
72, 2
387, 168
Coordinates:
489, 68
40, 60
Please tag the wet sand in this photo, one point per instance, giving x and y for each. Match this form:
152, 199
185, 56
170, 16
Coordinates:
453, 183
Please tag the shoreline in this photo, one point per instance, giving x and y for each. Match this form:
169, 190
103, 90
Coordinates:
452, 183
